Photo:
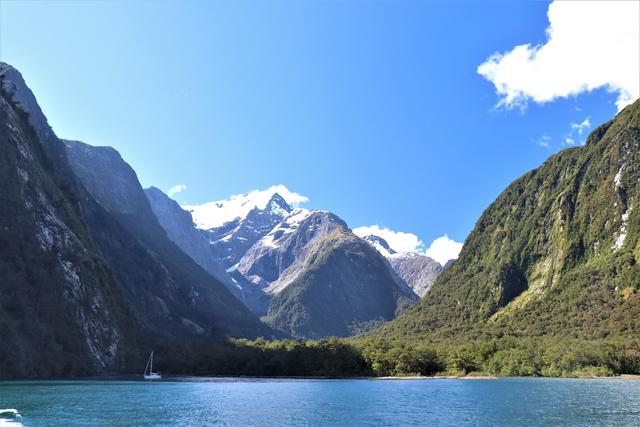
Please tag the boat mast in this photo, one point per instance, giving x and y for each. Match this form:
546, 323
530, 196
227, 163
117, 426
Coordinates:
145, 368
151, 366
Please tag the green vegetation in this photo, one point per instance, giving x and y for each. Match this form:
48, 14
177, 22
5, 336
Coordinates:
556, 255
333, 357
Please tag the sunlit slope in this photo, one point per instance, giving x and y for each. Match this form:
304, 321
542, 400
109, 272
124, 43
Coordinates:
556, 254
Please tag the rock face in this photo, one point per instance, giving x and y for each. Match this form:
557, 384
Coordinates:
167, 288
556, 254
418, 271
266, 261
322, 279
61, 313
341, 288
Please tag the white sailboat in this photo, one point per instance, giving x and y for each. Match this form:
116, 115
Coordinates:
151, 375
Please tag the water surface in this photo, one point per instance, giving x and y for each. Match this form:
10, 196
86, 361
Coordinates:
198, 402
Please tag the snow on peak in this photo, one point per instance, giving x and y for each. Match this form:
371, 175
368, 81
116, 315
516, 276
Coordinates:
287, 226
214, 214
379, 244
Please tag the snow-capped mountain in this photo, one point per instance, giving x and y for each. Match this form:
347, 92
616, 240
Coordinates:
216, 214
248, 218
418, 271
269, 250
266, 261
233, 239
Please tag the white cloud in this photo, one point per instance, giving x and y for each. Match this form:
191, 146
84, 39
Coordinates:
580, 127
214, 214
441, 249
569, 141
590, 45
294, 199
444, 249
544, 141
398, 241
176, 189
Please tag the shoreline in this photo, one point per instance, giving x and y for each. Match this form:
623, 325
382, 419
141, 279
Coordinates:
187, 378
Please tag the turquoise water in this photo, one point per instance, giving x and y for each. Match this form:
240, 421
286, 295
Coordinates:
198, 402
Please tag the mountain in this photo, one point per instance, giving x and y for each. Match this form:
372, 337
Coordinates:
265, 263
234, 225
171, 293
322, 279
555, 255
341, 288
61, 312
268, 246
418, 271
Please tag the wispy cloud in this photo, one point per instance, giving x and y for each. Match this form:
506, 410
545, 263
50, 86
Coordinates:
544, 141
176, 189
590, 45
580, 127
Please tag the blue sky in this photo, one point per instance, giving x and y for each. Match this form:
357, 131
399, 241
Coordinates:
373, 110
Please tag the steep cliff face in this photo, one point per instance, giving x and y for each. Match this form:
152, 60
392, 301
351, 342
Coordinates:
167, 288
179, 227
60, 311
557, 252
343, 287
418, 271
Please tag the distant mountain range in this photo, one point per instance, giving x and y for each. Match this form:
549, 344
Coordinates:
270, 249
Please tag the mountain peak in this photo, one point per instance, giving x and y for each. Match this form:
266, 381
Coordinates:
14, 84
278, 205
217, 213
380, 244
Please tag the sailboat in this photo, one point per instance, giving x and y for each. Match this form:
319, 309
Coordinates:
151, 375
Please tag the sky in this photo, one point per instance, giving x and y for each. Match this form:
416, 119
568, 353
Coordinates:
407, 118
